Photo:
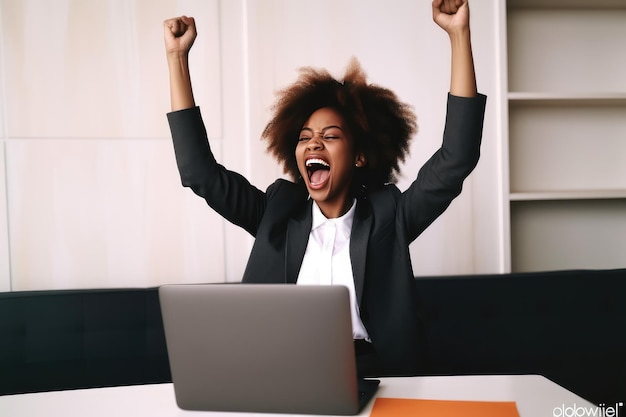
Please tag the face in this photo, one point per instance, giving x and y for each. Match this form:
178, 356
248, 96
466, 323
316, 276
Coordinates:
327, 159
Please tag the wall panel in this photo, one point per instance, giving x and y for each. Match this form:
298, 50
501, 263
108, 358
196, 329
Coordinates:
93, 194
106, 213
5, 263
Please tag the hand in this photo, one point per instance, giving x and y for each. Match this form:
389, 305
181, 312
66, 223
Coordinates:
451, 15
180, 34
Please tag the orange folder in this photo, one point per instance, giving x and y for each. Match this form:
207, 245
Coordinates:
402, 407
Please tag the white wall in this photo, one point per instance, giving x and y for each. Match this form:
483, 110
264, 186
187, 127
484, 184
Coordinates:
89, 191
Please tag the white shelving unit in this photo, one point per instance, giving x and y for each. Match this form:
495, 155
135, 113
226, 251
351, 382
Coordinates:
566, 67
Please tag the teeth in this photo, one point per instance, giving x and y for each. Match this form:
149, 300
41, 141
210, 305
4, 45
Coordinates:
312, 161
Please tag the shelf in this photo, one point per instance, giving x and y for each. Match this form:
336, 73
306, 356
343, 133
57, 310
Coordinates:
568, 99
569, 147
568, 195
566, 4
568, 51
566, 133
564, 234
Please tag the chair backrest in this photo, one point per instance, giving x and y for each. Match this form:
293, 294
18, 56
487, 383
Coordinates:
564, 325
54, 340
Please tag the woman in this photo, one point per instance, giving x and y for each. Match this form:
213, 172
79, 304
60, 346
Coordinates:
341, 221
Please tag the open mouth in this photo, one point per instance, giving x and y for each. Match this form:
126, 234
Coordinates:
318, 171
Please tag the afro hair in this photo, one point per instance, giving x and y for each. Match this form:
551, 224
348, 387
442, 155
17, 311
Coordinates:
381, 125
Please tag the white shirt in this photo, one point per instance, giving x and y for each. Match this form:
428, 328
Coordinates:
327, 259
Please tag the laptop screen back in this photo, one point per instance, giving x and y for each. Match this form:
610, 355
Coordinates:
261, 348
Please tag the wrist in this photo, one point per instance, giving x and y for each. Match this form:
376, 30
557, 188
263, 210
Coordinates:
178, 65
177, 57
460, 35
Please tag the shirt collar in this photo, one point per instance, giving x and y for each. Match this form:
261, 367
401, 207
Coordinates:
343, 223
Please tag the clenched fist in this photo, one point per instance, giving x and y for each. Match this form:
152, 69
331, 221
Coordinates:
179, 33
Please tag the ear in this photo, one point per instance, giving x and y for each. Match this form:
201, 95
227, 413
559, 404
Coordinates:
360, 160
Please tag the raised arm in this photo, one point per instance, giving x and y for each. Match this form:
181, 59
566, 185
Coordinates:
453, 17
440, 180
179, 34
227, 192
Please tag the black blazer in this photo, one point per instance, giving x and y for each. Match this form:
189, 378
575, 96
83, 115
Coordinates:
385, 223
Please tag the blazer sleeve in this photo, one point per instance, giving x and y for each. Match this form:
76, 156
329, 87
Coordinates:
227, 192
440, 179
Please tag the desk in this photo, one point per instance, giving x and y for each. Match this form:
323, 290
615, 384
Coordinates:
535, 396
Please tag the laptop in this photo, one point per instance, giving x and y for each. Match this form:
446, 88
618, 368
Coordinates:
272, 348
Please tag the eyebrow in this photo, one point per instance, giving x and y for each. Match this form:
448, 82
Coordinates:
323, 130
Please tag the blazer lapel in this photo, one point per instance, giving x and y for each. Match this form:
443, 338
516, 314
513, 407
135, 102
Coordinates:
298, 231
359, 239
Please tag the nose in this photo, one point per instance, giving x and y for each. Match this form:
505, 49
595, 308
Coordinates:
315, 143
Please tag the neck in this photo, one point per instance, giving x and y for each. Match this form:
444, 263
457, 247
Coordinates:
333, 210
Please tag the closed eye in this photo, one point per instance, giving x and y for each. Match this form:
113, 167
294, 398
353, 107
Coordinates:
325, 137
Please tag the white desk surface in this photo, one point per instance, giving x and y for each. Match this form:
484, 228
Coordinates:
534, 395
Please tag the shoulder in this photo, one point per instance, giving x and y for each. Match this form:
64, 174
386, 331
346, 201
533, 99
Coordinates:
383, 198
285, 190
386, 190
